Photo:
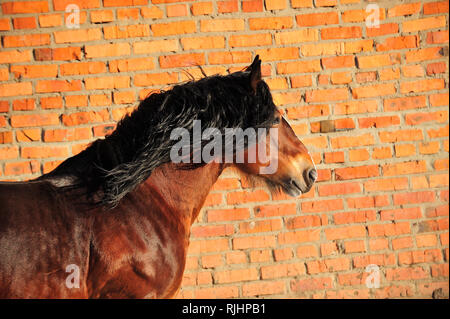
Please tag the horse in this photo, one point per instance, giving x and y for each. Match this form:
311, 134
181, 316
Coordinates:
114, 220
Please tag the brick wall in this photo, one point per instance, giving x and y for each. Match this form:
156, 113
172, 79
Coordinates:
371, 104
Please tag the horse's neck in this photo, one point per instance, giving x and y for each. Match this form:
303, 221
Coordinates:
184, 190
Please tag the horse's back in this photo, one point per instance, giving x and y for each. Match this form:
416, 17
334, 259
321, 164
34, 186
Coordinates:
39, 238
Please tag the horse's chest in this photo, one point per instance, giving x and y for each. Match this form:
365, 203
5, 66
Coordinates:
148, 259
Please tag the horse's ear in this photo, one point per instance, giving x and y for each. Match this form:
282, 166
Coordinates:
255, 73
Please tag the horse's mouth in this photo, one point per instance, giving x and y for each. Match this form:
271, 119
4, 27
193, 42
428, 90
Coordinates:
293, 188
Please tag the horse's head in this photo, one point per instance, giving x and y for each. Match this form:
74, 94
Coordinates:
285, 162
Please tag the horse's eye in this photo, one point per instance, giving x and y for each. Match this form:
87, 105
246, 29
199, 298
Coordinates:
277, 120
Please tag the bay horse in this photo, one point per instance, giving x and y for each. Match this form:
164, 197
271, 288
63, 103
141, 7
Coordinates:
117, 216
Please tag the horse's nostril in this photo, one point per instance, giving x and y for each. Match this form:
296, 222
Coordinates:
312, 175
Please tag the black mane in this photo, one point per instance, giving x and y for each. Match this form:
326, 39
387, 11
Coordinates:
110, 168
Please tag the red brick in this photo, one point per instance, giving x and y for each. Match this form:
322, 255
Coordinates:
411, 198
24, 23
398, 43
263, 288
155, 46
373, 90
227, 6
44, 152
358, 155
414, 257
111, 82
303, 222
435, 7
413, 71
203, 43
356, 172
282, 270
128, 14
391, 229
34, 71
347, 61
121, 3
322, 205
380, 260
254, 242
68, 53
363, 77
54, 102
85, 117
352, 141
228, 214
422, 85
354, 217
274, 54
383, 29
5, 25
282, 254
326, 95
419, 118
270, 23
311, 284
46, 86
314, 19
437, 37
82, 68
26, 40
334, 157
101, 16
152, 12
245, 197
376, 61
404, 168
22, 168
15, 89
144, 79
341, 33
404, 9
423, 54
100, 100
424, 24
176, 10
50, 20
106, 50
181, 60
9, 152
6, 137
82, 35
202, 8
404, 103
217, 292
231, 57
66, 135
24, 105
356, 107
130, 31
378, 122
220, 25
60, 5
439, 99
299, 236
275, 210
339, 189
250, 40
360, 15
298, 67
24, 7
173, 28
